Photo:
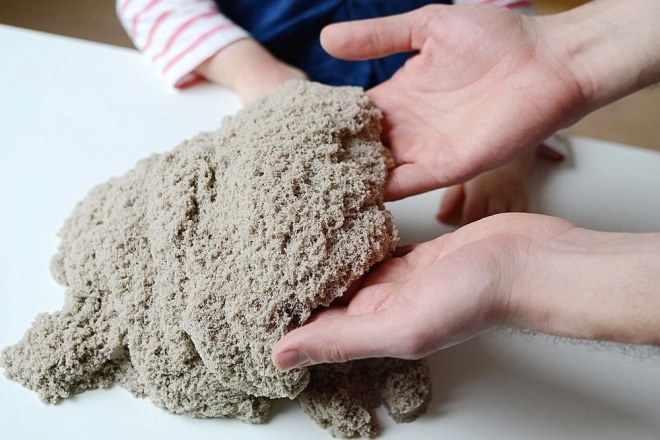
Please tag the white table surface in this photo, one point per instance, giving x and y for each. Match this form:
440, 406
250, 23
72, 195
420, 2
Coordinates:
74, 113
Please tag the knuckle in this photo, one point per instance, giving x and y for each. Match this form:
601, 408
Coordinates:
331, 353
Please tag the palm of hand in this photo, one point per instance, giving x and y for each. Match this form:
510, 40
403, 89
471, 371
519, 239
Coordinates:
484, 88
430, 289
452, 287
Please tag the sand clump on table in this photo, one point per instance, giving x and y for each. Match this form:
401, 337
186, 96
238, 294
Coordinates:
182, 274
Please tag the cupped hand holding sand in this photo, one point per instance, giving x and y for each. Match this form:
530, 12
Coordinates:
438, 294
514, 270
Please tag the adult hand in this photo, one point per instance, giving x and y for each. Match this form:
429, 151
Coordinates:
440, 293
516, 270
488, 84
484, 87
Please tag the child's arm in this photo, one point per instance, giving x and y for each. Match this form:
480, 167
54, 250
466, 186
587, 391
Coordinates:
254, 71
186, 40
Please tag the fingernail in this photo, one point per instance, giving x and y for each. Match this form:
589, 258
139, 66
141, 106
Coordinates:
292, 359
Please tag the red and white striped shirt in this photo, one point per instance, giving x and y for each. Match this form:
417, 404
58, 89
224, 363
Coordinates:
177, 36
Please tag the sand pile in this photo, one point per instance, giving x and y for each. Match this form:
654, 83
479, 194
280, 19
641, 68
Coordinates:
182, 274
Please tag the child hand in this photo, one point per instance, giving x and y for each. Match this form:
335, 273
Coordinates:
503, 189
249, 69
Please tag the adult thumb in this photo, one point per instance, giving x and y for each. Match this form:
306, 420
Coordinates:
375, 38
339, 337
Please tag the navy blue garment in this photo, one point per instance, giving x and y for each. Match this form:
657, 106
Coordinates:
290, 30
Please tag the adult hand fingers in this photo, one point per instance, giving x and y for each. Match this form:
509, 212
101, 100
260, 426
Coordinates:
340, 338
375, 38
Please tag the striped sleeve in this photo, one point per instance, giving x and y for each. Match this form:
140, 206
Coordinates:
522, 6
176, 36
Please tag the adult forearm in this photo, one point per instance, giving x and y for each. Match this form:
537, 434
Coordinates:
592, 285
611, 46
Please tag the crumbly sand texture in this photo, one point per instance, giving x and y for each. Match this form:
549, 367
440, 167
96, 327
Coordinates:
182, 274
342, 397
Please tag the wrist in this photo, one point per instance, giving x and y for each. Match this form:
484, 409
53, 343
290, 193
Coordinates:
229, 66
612, 48
592, 285
247, 68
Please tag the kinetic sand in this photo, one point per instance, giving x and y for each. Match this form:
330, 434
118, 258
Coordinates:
182, 274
